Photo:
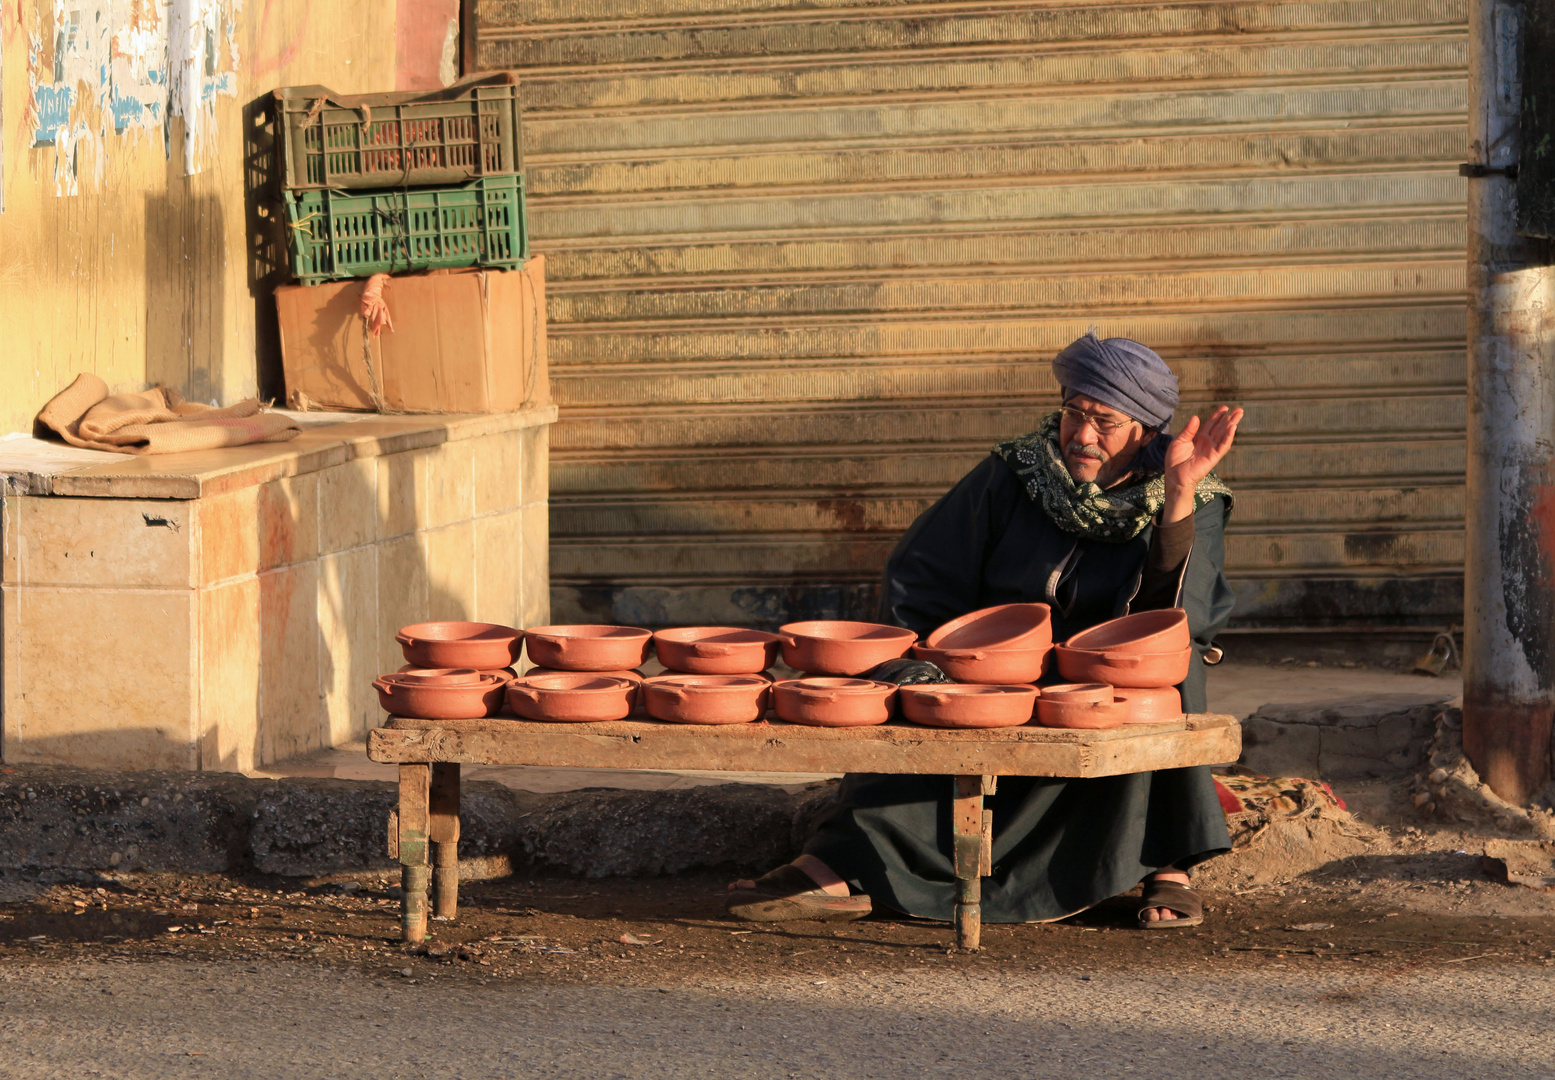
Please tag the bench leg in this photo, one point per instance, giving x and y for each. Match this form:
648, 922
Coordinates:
414, 812
443, 832
972, 839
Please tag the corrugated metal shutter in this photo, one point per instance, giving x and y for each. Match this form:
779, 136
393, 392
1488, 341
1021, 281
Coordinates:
810, 259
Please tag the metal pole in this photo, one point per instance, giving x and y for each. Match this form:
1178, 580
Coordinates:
1509, 572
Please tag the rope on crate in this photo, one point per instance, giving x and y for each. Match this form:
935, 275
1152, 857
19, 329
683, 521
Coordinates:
375, 316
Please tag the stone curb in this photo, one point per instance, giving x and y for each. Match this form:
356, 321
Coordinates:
1372, 736
57, 819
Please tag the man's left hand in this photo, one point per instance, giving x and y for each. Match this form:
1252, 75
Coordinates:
1192, 455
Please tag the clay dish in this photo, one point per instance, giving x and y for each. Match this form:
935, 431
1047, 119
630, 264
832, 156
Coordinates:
1078, 692
634, 677
1007, 626
1123, 669
428, 701
828, 647
479, 645
572, 696
505, 672
1144, 632
992, 666
588, 648
952, 705
1151, 705
415, 676
1081, 714
833, 702
716, 650
706, 699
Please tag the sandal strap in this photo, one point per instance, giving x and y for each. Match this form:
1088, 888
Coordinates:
1174, 897
786, 880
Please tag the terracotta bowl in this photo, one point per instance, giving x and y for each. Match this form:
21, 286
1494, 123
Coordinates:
993, 666
634, 677
479, 645
1151, 705
505, 672
953, 705
1078, 692
588, 648
572, 696
1123, 669
834, 702
1007, 626
449, 676
424, 701
1081, 714
826, 647
706, 699
716, 650
1144, 632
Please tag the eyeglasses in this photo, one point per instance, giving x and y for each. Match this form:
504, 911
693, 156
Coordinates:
1103, 425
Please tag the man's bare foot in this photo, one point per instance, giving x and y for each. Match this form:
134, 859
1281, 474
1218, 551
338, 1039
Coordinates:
824, 877
1161, 914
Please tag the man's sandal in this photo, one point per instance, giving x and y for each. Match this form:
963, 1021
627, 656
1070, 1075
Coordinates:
1174, 897
787, 894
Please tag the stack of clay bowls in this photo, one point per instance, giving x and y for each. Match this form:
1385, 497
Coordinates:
573, 696
994, 655
453, 671
968, 705
996, 646
716, 650
1122, 671
842, 649
707, 699
715, 675
583, 673
821, 701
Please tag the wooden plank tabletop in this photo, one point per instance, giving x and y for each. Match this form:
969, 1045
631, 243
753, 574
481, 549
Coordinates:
775, 746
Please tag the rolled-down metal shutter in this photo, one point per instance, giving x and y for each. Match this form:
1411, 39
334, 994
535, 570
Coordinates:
809, 261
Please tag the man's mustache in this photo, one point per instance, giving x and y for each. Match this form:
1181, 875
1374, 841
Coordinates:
1082, 450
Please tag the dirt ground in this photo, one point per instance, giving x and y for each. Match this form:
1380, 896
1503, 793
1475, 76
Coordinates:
1406, 961
1406, 910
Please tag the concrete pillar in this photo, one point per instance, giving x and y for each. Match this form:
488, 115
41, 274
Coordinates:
1509, 574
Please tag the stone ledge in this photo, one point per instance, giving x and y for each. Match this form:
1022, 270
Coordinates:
327, 439
56, 819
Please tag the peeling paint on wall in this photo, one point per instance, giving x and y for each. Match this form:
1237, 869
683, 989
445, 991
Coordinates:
101, 68
202, 59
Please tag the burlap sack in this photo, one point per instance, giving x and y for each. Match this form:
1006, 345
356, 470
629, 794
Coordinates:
156, 421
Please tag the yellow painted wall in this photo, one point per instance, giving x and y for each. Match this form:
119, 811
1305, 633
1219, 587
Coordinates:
141, 275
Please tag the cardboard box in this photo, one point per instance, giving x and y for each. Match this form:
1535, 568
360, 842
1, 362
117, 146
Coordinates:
464, 341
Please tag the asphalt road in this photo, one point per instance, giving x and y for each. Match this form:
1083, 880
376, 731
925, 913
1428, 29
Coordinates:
150, 1019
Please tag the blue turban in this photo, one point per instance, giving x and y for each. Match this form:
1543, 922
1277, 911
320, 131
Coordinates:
1121, 374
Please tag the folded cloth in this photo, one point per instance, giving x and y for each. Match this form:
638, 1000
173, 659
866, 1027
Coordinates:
156, 421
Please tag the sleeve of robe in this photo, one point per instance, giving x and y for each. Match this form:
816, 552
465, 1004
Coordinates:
1161, 577
1206, 595
935, 571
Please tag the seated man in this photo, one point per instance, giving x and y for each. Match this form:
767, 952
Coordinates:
1097, 513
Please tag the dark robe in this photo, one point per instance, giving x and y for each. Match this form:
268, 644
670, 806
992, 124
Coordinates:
1059, 846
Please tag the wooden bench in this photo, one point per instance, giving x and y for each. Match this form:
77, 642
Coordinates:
429, 753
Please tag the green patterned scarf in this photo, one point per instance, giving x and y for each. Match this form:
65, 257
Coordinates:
1084, 509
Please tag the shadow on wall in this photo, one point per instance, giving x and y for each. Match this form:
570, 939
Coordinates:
186, 258
327, 624
341, 569
265, 227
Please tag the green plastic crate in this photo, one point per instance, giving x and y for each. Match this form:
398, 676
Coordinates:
341, 234
403, 139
